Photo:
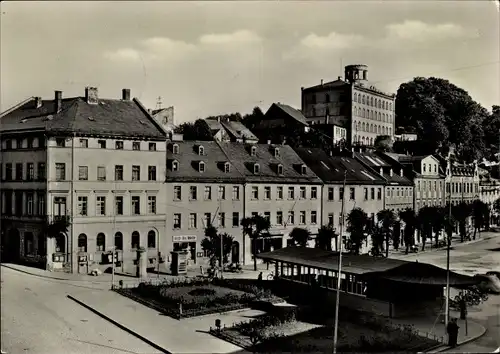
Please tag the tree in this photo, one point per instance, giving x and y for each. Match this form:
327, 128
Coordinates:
300, 236
324, 238
425, 224
491, 129
383, 143
386, 219
461, 212
479, 213
357, 223
255, 227
438, 221
253, 119
410, 220
197, 130
211, 244
59, 225
378, 235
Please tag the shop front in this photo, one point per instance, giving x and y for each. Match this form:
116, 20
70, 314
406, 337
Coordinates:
187, 243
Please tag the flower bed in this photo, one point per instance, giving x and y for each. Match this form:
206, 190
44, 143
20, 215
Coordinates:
193, 297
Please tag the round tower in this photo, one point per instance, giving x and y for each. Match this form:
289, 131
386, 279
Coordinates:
356, 73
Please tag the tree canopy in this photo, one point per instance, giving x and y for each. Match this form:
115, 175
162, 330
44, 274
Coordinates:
197, 130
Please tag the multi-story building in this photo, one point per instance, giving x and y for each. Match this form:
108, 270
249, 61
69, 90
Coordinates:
427, 176
98, 162
279, 186
399, 189
462, 183
489, 187
364, 188
353, 103
223, 129
203, 188
165, 117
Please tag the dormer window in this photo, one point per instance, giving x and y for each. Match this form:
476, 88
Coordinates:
253, 151
256, 168
280, 169
226, 167
303, 169
201, 166
276, 152
201, 150
175, 165
381, 171
175, 148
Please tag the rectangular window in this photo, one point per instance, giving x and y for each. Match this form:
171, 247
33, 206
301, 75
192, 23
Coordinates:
119, 205
291, 217
101, 173
379, 194
208, 219
60, 171
29, 203
193, 221
303, 193
31, 171
314, 217
352, 194
59, 206
267, 193
279, 193
193, 193
84, 143
151, 204
118, 172
236, 193
177, 193
83, 173
151, 173
222, 193
101, 144
373, 193
41, 171
82, 206
8, 172
302, 217
255, 192
136, 173
19, 203
222, 220
291, 193
41, 203
136, 205
119, 145
207, 195
177, 221
152, 146
136, 145
19, 172
60, 142
267, 215
330, 219
101, 206
30, 143
314, 193
341, 193
279, 218
366, 193
236, 219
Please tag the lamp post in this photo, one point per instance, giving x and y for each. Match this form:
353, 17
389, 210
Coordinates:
448, 244
113, 267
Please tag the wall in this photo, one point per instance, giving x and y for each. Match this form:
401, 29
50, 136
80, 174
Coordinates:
398, 197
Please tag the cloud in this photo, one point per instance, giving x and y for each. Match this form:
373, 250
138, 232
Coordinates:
331, 41
242, 36
418, 31
124, 54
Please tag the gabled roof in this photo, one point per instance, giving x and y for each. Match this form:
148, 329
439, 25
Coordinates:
238, 131
288, 110
331, 168
240, 156
111, 117
188, 163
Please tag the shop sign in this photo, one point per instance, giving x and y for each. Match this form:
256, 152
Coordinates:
184, 238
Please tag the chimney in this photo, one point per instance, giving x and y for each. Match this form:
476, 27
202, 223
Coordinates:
58, 101
381, 171
283, 142
401, 172
38, 102
390, 172
331, 153
269, 142
218, 119
91, 96
321, 81
126, 94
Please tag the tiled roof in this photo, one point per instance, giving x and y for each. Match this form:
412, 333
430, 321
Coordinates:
240, 156
111, 117
188, 163
331, 168
377, 163
238, 131
214, 125
292, 112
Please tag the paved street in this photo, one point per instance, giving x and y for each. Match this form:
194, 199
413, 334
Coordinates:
38, 318
470, 259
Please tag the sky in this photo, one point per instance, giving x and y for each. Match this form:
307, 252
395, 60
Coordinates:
208, 58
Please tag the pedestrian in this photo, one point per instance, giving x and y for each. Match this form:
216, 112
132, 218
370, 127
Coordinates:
452, 329
259, 279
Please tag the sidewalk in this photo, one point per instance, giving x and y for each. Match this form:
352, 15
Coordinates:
173, 336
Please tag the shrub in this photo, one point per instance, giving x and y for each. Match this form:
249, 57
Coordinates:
202, 292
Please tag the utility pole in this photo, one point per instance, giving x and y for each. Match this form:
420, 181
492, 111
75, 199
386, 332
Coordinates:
450, 235
339, 248
113, 267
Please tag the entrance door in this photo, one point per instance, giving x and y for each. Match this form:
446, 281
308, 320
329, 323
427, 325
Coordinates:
235, 252
13, 246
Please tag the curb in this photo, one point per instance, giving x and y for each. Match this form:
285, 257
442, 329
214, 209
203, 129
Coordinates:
33, 274
447, 347
122, 327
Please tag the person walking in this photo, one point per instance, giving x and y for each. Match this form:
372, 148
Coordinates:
452, 329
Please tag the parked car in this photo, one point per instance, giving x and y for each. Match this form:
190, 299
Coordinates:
489, 283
